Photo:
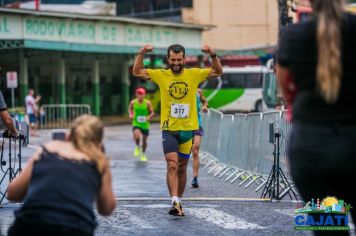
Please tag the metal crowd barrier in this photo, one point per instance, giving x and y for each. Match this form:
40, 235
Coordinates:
60, 116
237, 148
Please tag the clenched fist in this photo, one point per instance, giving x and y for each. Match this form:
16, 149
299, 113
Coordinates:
208, 50
146, 49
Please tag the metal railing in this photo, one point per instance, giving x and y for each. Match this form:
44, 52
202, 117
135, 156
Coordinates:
237, 147
60, 116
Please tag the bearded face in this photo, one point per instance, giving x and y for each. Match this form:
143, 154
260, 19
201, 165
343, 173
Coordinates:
176, 62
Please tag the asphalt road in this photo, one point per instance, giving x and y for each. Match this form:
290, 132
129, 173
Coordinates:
216, 208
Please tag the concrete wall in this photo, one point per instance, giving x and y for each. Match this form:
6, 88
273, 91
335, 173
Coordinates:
239, 23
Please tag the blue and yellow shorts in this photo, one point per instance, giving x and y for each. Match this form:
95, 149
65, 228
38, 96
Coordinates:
177, 141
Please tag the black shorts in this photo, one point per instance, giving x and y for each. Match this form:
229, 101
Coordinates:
199, 132
180, 142
145, 132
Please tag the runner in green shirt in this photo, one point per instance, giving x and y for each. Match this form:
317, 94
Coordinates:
141, 112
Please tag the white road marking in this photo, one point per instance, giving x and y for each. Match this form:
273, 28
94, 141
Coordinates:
31, 146
123, 219
222, 219
287, 212
193, 199
6, 221
166, 206
139, 222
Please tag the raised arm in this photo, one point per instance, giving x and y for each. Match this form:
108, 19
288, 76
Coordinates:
138, 67
216, 69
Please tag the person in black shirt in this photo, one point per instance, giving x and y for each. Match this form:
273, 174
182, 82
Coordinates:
60, 183
317, 73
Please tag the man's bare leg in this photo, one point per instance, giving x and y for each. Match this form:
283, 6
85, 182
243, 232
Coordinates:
172, 173
196, 163
182, 175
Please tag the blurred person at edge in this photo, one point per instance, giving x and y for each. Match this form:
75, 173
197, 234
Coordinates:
31, 111
317, 74
60, 183
6, 121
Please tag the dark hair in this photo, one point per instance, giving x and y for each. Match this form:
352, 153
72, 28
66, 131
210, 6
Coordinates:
176, 48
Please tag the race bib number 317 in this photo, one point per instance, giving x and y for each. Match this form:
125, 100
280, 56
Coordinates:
179, 110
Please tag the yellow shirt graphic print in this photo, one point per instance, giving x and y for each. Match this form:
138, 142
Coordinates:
178, 97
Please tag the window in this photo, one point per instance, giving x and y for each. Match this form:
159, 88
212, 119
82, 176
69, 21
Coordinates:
182, 3
161, 4
233, 80
253, 80
211, 84
237, 80
124, 8
142, 6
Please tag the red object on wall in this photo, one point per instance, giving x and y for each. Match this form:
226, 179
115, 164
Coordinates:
228, 60
240, 61
37, 5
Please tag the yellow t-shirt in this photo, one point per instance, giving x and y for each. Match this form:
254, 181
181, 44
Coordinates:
178, 97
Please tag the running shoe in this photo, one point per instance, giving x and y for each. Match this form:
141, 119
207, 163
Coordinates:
137, 152
143, 157
195, 183
177, 209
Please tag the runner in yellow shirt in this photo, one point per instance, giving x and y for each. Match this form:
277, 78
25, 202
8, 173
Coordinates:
178, 87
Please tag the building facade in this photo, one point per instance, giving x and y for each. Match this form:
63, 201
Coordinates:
79, 59
237, 24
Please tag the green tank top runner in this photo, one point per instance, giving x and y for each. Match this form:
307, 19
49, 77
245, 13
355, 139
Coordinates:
141, 113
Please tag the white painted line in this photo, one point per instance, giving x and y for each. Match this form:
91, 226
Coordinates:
222, 219
124, 221
134, 220
7, 219
155, 206
165, 206
288, 201
193, 199
286, 212
32, 146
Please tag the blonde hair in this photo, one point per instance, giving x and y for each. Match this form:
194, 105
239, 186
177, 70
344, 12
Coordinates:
86, 134
329, 69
